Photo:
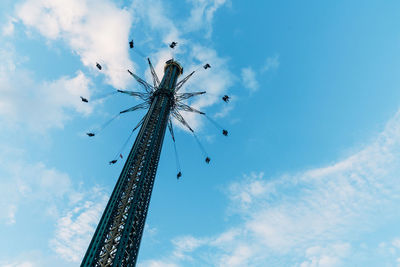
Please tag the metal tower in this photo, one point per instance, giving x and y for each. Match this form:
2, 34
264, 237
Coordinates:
117, 238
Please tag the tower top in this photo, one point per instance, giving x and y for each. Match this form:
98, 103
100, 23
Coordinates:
174, 63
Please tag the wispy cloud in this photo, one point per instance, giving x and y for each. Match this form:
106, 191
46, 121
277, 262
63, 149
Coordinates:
25, 182
215, 82
309, 218
75, 229
33, 258
271, 63
250, 76
202, 15
19, 264
157, 263
225, 110
45, 107
95, 30
77, 23
249, 79
74, 209
38, 105
332, 255
192, 54
8, 28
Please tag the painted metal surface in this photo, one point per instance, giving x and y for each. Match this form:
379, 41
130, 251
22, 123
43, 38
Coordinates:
117, 238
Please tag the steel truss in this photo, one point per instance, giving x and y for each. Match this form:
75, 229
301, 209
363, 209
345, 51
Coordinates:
117, 238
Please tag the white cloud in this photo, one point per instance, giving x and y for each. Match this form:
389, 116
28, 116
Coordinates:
191, 54
226, 107
8, 28
156, 263
396, 243
19, 264
309, 218
183, 247
185, 244
97, 30
249, 75
271, 63
249, 79
152, 13
77, 23
25, 183
202, 15
50, 195
243, 194
388, 252
150, 233
329, 256
391, 248
33, 258
215, 81
75, 229
41, 106
36, 105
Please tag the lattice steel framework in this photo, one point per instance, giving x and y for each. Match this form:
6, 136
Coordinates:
117, 238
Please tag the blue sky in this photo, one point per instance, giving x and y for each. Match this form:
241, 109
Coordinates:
309, 175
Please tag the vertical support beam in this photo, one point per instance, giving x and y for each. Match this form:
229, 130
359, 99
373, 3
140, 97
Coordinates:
117, 238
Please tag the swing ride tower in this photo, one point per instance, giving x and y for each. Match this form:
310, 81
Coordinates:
117, 238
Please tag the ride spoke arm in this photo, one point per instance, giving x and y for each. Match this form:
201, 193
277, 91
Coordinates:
188, 108
144, 96
139, 123
146, 86
178, 164
185, 96
184, 80
156, 81
171, 130
139, 106
179, 117
119, 154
